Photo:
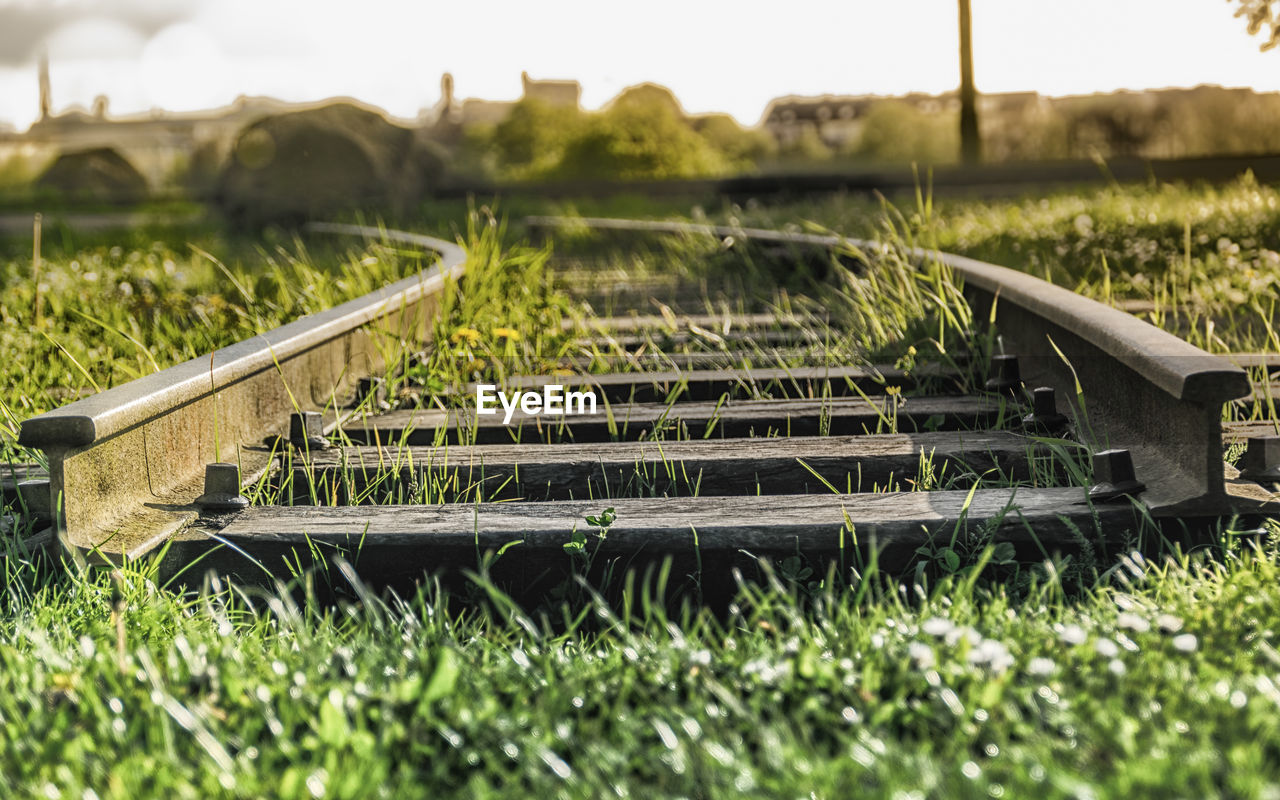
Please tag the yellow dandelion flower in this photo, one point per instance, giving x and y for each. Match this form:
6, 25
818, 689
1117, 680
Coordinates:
471, 335
476, 365
507, 333
63, 681
561, 372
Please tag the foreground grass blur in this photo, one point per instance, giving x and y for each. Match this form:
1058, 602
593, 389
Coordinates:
1157, 680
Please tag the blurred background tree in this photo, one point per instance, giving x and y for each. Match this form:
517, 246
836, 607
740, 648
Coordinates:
643, 138
743, 148
1260, 16
643, 134
895, 132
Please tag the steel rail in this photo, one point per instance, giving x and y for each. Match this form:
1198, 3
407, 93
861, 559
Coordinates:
126, 465
1138, 387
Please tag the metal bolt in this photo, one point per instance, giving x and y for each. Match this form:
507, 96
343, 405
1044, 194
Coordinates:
306, 431
37, 498
221, 488
371, 392
1005, 377
1261, 460
1113, 471
1044, 416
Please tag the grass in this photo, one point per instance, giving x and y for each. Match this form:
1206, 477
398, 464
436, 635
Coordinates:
986, 678
107, 311
1200, 261
1156, 679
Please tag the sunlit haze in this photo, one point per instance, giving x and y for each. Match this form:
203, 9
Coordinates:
716, 55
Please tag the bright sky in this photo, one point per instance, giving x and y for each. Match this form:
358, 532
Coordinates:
718, 55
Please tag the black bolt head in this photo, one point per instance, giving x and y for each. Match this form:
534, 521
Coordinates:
1044, 400
1114, 473
1004, 376
1044, 416
221, 489
37, 497
306, 431
1261, 460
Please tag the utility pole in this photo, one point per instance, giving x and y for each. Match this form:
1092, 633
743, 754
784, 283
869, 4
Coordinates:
46, 99
970, 143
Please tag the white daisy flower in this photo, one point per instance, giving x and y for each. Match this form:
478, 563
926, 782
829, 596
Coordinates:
1133, 622
1185, 642
1074, 634
937, 626
922, 654
1041, 666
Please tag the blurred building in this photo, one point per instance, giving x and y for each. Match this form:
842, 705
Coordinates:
155, 143
837, 120
449, 112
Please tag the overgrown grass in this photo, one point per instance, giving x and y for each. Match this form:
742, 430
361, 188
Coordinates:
1200, 261
1057, 679
1157, 680
102, 314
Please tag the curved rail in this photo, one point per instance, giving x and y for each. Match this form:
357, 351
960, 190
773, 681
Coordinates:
1143, 389
126, 464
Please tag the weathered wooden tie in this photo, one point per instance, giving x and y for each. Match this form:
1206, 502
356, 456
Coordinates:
796, 465
705, 359
716, 323
756, 383
692, 420
399, 543
698, 339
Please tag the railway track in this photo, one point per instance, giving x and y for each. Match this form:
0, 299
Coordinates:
714, 456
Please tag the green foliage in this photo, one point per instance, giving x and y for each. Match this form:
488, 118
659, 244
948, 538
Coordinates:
1202, 261
743, 148
898, 133
806, 147
1152, 679
635, 142
649, 97
17, 172
502, 318
531, 141
1148, 679
643, 135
